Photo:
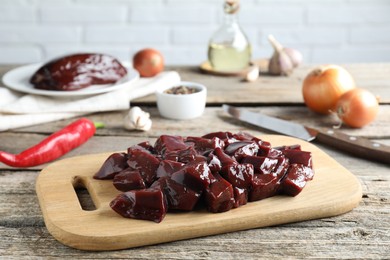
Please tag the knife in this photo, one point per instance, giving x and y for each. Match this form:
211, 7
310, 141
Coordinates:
357, 146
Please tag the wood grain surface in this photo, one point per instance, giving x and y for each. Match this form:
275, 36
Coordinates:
363, 233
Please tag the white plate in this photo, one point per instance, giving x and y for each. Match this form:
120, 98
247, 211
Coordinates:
18, 79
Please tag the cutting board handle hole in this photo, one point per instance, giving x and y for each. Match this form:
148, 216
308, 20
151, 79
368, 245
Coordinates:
83, 195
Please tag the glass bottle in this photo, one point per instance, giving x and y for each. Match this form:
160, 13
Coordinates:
229, 48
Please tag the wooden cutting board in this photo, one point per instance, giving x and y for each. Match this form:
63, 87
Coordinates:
333, 191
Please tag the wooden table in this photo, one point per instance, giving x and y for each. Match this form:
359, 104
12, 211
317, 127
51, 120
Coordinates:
362, 233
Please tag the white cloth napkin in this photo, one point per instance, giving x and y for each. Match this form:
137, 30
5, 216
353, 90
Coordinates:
17, 110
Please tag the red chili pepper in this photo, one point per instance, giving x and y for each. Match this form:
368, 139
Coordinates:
54, 146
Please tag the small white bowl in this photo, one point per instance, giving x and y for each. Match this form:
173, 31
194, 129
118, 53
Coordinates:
182, 106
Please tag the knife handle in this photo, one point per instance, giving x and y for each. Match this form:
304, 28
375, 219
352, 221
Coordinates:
358, 146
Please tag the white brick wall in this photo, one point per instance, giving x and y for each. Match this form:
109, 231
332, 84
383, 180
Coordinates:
326, 31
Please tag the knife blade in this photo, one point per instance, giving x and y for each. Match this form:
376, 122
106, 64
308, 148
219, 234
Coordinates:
358, 146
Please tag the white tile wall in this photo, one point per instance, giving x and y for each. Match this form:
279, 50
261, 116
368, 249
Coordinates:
326, 31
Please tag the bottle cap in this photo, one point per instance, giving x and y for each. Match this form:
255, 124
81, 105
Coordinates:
231, 6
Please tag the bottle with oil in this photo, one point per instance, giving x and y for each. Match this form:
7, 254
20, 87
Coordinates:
229, 49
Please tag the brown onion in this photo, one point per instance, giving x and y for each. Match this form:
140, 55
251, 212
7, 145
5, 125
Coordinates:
324, 85
357, 107
148, 62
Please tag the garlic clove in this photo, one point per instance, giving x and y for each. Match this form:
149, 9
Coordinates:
137, 119
252, 74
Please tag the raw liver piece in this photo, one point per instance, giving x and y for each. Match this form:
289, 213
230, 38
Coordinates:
195, 175
263, 186
168, 143
240, 149
167, 167
239, 175
295, 180
144, 146
114, 164
299, 157
296, 156
148, 204
78, 71
178, 196
147, 146
204, 146
145, 163
129, 179
219, 195
223, 157
261, 164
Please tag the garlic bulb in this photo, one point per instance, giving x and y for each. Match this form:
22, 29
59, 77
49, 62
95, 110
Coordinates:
283, 60
137, 119
280, 64
252, 74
